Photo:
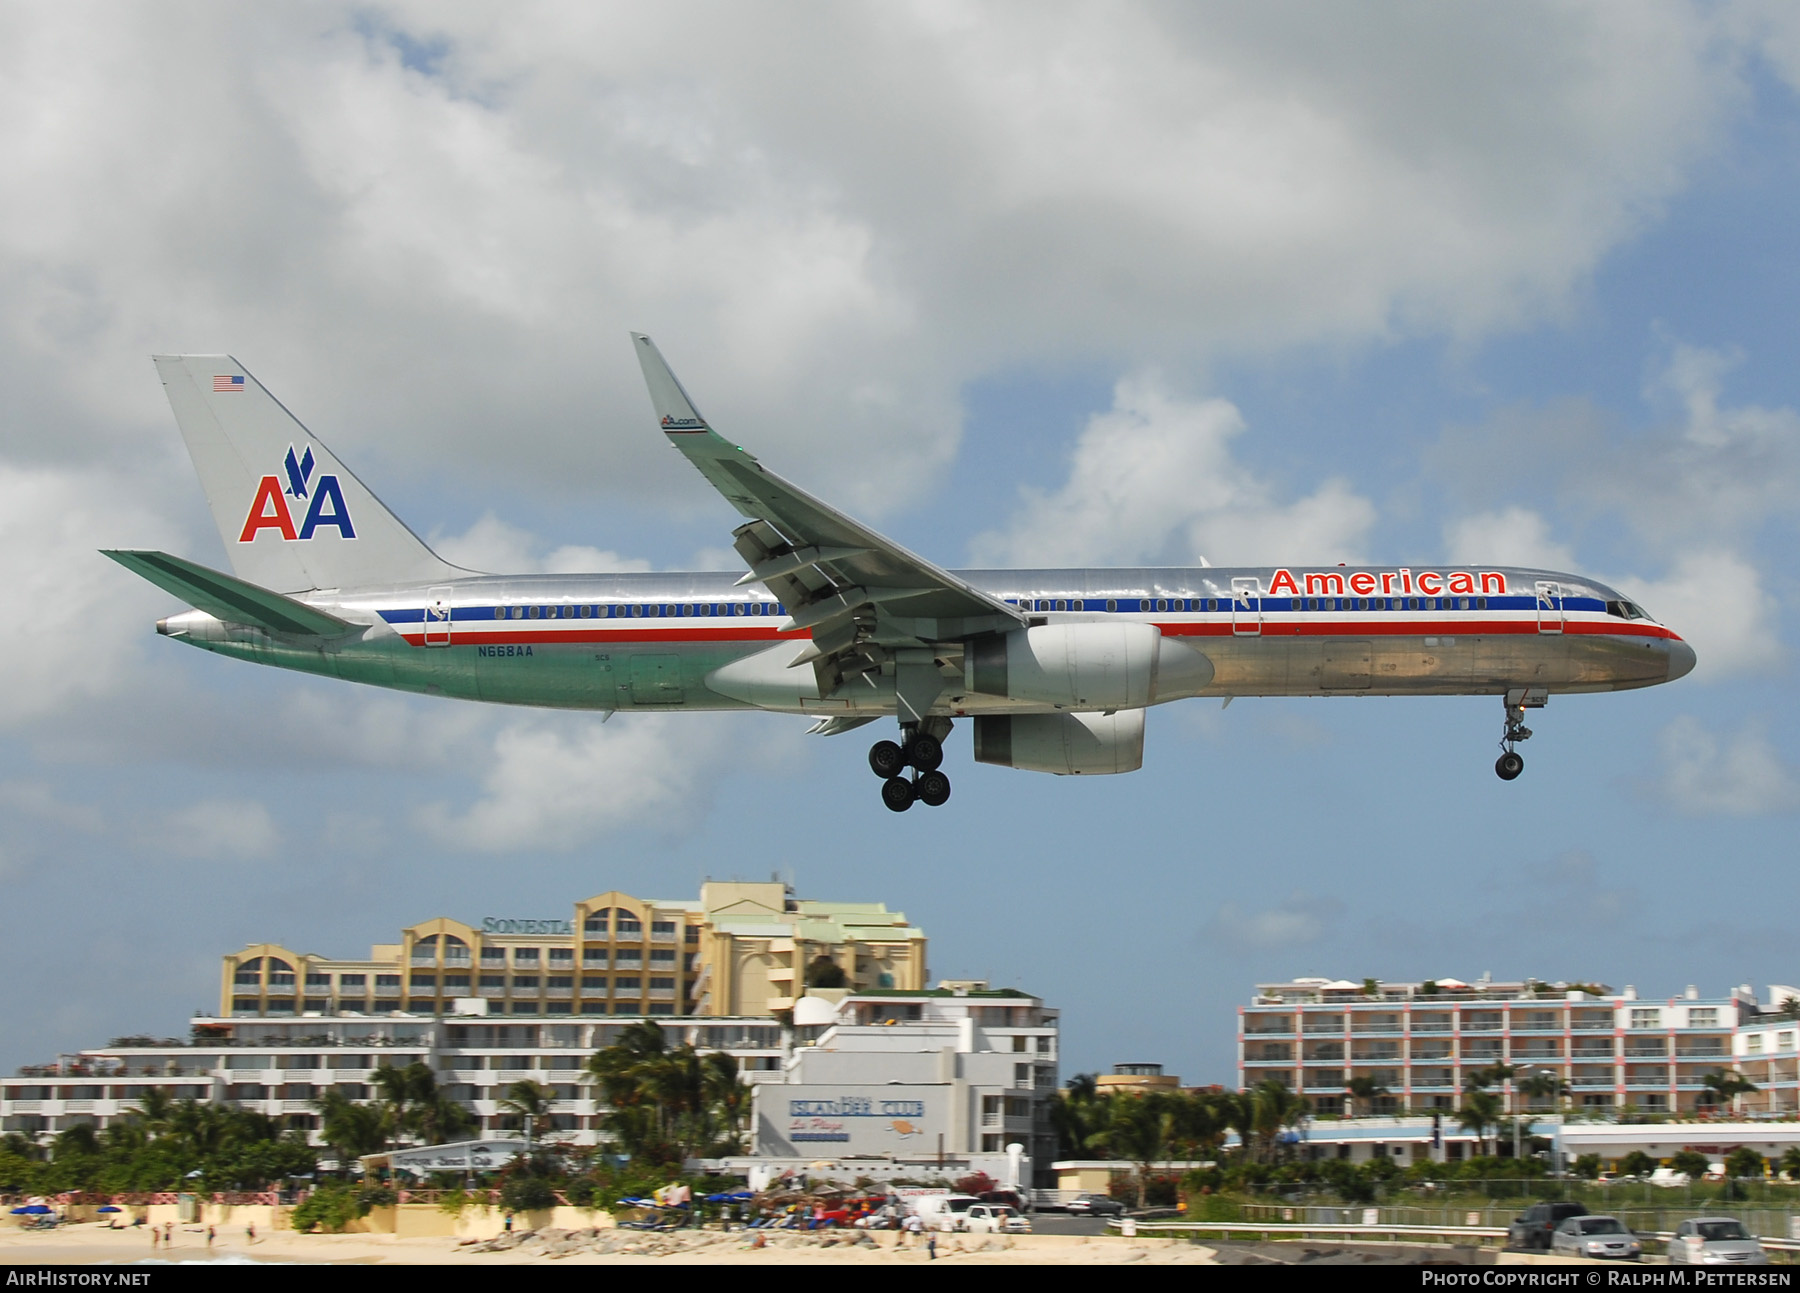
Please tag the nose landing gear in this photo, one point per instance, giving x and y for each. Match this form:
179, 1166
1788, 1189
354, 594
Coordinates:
923, 752
1511, 763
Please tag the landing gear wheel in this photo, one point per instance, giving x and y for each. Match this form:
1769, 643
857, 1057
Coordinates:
1509, 765
897, 792
886, 759
934, 789
926, 753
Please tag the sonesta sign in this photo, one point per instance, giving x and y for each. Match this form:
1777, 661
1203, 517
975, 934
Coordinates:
1366, 583
498, 925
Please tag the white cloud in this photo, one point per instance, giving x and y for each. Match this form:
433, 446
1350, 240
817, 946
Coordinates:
1296, 922
76, 622
1737, 774
833, 218
556, 783
497, 547
1721, 604
1154, 479
222, 829
1513, 536
39, 800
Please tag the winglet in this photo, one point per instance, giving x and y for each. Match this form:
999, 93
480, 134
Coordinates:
687, 430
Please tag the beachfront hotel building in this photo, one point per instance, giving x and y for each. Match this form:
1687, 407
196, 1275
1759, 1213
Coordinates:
979, 1063
1418, 1041
742, 949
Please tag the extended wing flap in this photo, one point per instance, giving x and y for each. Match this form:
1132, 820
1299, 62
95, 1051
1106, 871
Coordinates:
847, 560
228, 598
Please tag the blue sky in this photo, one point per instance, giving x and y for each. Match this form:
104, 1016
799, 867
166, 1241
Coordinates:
1405, 290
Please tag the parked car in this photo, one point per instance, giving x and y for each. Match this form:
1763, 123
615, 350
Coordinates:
994, 1219
1596, 1237
943, 1211
1094, 1205
1532, 1229
1715, 1241
1011, 1198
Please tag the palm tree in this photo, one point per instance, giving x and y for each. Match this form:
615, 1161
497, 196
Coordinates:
1724, 1086
1790, 1008
1138, 1128
1480, 1110
1076, 1114
1365, 1091
725, 1089
155, 1109
1543, 1084
443, 1120
1275, 1109
351, 1129
528, 1101
404, 1091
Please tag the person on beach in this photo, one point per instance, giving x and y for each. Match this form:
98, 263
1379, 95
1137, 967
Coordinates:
250, 1233
155, 1238
168, 1234
209, 1236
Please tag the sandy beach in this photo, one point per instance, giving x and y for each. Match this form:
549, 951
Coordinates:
88, 1244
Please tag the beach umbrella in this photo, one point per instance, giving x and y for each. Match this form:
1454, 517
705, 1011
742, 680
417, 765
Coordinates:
109, 1208
31, 1210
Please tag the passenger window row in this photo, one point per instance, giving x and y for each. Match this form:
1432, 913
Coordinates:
638, 610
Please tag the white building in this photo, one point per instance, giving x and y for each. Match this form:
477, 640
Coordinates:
280, 1067
902, 1083
1418, 1041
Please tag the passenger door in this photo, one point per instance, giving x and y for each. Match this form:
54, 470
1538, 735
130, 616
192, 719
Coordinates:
1246, 607
437, 616
1549, 607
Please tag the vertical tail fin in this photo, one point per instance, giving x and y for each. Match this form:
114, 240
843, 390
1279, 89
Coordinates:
292, 516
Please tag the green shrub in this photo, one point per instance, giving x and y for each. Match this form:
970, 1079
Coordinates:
522, 1193
330, 1207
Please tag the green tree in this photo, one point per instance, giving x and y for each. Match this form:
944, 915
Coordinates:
1542, 1085
664, 1103
527, 1100
1076, 1113
1364, 1092
1744, 1161
1724, 1086
1276, 1109
350, 1129
1637, 1163
1588, 1166
1790, 1162
1480, 1110
823, 972
1138, 1127
1790, 1008
1692, 1162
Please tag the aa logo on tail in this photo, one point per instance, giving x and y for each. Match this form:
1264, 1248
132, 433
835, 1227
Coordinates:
323, 497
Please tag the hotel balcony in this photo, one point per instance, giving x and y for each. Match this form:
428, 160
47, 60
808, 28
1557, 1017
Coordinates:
1592, 1025
1430, 1027
280, 990
559, 994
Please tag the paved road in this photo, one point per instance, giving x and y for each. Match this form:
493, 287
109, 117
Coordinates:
1061, 1223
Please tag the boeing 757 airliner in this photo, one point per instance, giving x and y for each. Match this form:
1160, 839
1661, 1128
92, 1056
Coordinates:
1055, 669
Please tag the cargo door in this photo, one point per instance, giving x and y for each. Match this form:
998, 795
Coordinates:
1549, 607
437, 616
1246, 608
1346, 665
656, 680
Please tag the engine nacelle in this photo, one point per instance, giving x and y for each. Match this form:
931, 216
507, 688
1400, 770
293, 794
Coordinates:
1066, 744
1070, 666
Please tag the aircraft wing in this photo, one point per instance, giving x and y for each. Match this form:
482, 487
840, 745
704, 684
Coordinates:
839, 579
225, 597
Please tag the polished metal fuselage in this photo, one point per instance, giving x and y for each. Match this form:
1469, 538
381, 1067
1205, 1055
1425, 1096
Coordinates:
651, 641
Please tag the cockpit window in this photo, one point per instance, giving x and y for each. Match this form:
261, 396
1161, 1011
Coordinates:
1626, 610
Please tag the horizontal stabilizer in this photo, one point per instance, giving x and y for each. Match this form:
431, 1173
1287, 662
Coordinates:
233, 600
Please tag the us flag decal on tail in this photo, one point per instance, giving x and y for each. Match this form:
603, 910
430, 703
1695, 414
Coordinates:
224, 384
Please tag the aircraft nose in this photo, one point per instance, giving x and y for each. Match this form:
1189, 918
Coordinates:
1681, 659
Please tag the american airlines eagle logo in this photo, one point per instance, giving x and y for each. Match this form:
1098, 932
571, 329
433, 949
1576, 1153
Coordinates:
322, 498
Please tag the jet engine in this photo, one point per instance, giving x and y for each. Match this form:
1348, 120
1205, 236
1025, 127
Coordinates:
1070, 666
1066, 744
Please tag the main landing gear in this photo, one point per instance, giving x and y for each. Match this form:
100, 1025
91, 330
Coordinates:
1511, 763
923, 752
